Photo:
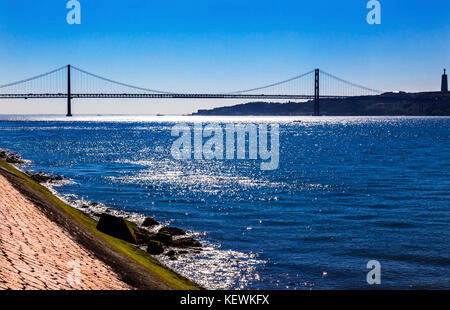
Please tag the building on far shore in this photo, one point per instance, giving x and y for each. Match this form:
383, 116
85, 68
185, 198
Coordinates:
444, 83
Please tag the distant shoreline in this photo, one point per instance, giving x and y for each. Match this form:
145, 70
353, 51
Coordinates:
388, 104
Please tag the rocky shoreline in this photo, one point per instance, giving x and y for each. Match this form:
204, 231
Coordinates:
40, 177
11, 158
169, 241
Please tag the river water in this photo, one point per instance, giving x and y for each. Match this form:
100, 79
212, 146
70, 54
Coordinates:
347, 190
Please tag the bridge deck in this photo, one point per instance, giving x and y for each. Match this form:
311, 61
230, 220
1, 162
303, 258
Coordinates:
164, 96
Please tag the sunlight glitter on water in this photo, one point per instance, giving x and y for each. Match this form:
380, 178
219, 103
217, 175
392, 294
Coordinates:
206, 119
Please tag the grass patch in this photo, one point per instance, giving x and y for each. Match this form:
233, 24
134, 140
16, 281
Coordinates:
168, 276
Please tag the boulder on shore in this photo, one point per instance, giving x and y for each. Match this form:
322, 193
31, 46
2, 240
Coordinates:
11, 158
116, 227
43, 177
154, 247
149, 222
163, 237
171, 253
186, 243
173, 231
143, 237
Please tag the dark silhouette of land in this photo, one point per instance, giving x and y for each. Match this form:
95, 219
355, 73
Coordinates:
412, 104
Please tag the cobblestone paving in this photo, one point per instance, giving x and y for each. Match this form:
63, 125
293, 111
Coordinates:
35, 253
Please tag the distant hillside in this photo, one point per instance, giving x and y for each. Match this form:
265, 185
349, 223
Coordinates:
429, 103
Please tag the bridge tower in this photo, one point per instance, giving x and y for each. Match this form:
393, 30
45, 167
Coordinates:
444, 83
69, 95
316, 93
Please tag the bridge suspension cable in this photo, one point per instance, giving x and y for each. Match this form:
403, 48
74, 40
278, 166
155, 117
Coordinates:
84, 84
33, 78
120, 83
273, 84
343, 87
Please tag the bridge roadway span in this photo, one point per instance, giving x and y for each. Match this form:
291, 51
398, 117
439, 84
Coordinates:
165, 96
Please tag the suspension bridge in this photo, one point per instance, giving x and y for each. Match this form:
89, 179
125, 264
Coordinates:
71, 82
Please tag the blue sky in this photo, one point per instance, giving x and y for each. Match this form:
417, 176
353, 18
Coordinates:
225, 45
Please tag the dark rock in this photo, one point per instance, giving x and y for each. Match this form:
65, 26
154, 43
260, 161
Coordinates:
186, 243
163, 237
116, 227
171, 253
149, 222
154, 247
143, 237
11, 158
43, 177
173, 231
